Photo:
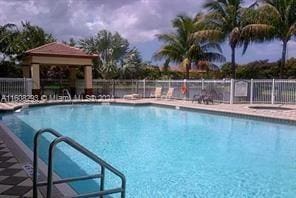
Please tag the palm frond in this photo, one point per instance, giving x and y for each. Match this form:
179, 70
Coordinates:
292, 30
213, 57
257, 32
216, 6
212, 47
209, 35
168, 51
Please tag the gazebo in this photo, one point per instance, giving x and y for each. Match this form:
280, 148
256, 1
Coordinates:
58, 54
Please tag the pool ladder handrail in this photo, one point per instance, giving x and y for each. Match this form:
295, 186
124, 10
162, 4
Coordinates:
66, 91
104, 165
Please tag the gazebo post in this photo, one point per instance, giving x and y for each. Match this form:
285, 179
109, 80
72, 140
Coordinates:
35, 79
88, 80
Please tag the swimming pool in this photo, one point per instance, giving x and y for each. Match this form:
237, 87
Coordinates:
170, 153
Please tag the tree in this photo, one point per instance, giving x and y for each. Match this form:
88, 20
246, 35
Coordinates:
31, 36
7, 34
182, 46
27, 37
15, 41
227, 19
131, 65
115, 54
281, 14
166, 65
72, 42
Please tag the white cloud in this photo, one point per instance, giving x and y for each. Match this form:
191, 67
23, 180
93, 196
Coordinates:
137, 20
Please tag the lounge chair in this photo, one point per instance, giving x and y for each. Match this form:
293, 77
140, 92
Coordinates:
169, 94
199, 97
204, 97
132, 96
208, 99
157, 93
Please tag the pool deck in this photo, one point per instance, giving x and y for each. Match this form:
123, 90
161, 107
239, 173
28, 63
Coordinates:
14, 181
239, 109
234, 109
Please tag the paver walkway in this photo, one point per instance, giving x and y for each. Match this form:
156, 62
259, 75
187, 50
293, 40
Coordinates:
14, 181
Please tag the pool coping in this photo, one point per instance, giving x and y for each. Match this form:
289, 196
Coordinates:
181, 106
24, 155
235, 114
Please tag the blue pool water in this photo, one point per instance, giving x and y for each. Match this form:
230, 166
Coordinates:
170, 153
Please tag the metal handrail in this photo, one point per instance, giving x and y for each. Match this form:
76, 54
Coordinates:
35, 156
67, 92
104, 165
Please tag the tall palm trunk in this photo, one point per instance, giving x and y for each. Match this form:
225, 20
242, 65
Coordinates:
188, 66
283, 61
233, 66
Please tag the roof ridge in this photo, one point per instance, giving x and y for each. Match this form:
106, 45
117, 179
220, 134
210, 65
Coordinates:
73, 47
56, 42
42, 46
59, 49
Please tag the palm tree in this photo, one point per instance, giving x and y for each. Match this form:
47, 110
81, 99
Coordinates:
182, 46
281, 14
131, 65
166, 65
227, 19
115, 54
110, 47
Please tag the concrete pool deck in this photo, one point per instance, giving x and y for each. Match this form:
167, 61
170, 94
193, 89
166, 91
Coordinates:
234, 109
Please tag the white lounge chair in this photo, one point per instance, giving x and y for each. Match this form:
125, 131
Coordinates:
157, 93
132, 96
169, 94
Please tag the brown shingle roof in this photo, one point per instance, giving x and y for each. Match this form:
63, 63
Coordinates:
59, 49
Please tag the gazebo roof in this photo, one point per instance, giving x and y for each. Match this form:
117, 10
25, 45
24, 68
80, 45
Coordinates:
59, 49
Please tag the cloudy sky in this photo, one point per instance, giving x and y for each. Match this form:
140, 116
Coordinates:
136, 20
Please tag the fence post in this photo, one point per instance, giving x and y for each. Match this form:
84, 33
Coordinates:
231, 91
113, 88
25, 86
251, 91
137, 83
187, 93
144, 87
272, 92
29, 86
202, 83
